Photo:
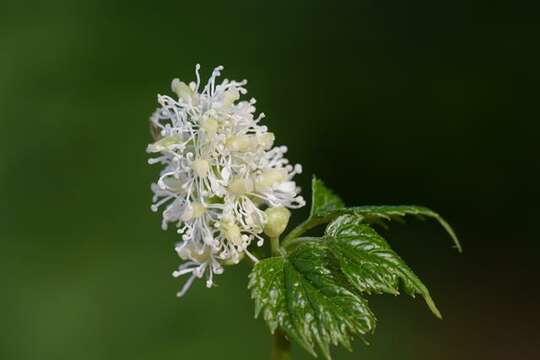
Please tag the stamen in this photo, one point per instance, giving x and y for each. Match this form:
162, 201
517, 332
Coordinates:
186, 286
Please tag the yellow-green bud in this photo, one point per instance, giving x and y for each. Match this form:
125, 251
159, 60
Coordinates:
200, 167
190, 252
231, 96
193, 211
277, 219
231, 231
270, 177
165, 143
174, 184
182, 89
241, 143
240, 186
210, 126
266, 140
234, 260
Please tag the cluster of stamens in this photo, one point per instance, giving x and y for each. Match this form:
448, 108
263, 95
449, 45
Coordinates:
221, 174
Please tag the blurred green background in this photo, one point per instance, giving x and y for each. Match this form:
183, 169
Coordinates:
390, 102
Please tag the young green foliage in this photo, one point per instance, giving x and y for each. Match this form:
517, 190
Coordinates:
310, 299
326, 206
316, 292
369, 263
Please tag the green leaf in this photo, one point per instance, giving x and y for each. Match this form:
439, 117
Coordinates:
326, 207
323, 200
369, 263
310, 299
380, 213
316, 293
268, 289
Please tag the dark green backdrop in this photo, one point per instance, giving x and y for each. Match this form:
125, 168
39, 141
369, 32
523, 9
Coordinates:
421, 102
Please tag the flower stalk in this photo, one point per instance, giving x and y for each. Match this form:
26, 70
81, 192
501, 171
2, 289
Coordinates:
276, 248
281, 346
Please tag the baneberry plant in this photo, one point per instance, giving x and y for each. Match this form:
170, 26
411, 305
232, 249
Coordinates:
227, 188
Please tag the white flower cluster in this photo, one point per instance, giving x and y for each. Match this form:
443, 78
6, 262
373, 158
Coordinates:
220, 171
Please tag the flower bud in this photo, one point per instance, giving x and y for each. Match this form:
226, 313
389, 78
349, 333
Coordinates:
173, 184
191, 252
277, 219
242, 143
231, 96
266, 140
210, 126
240, 186
269, 178
182, 89
163, 144
235, 259
200, 167
193, 211
231, 231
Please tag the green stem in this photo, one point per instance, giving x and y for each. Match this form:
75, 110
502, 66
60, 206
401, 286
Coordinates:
296, 232
302, 228
281, 347
276, 249
300, 240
